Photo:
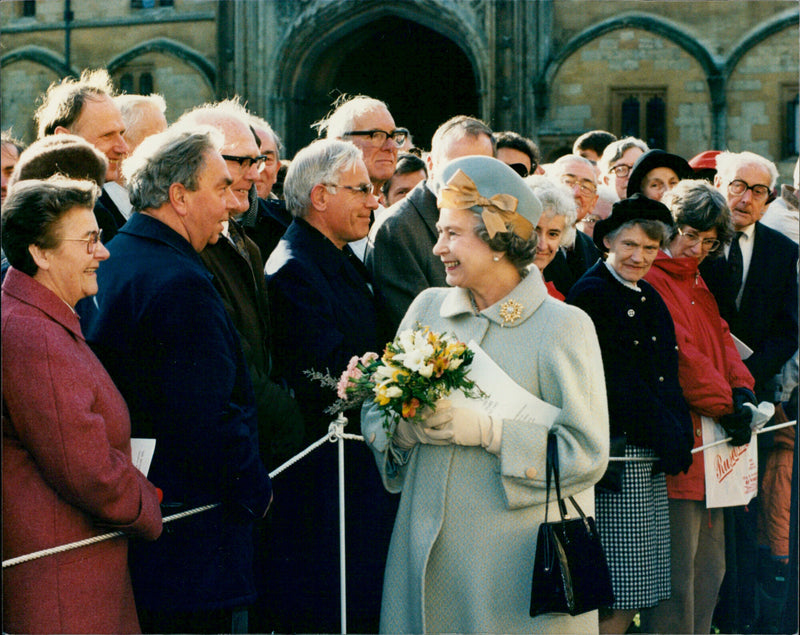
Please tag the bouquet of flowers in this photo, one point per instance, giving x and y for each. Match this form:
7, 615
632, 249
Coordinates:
416, 369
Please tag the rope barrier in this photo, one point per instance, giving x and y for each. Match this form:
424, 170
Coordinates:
652, 459
334, 434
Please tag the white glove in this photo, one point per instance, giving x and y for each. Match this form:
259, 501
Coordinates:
468, 427
761, 414
408, 433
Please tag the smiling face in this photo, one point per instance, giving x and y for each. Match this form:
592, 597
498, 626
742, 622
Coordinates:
239, 142
207, 207
380, 160
468, 261
100, 123
347, 212
745, 210
658, 182
550, 232
631, 253
68, 270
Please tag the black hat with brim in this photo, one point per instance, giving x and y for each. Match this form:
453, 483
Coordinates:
657, 159
637, 207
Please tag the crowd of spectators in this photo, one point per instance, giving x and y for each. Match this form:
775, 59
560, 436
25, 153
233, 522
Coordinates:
177, 283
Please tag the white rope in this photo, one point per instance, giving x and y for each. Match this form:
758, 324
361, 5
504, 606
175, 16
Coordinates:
702, 447
334, 434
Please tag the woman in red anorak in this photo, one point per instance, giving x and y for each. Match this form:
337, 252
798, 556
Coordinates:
716, 384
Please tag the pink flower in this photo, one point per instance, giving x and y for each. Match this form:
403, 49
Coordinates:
351, 374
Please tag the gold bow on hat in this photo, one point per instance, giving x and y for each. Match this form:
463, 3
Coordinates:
460, 192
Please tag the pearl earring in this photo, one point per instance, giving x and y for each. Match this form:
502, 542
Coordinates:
496, 258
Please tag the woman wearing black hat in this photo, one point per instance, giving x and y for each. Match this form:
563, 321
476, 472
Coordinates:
656, 172
645, 404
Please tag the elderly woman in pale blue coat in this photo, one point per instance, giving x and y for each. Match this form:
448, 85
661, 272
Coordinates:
473, 486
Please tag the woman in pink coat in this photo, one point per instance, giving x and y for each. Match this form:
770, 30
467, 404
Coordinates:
67, 471
716, 384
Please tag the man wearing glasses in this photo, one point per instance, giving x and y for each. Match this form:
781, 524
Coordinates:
324, 310
238, 275
756, 288
617, 162
368, 124
580, 176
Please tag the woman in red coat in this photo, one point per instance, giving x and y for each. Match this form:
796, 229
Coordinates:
67, 471
716, 384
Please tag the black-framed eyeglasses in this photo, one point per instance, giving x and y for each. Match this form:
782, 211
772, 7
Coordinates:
378, 137
621, 170
91, 241
737, 187
519, 168
246, 162
692, 238
365, 189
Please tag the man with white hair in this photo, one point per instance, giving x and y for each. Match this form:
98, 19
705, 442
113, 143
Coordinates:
238, 274
755, 286
162, 332
267, 220
616, 163
324, 311
580, 176
368, 123
142, 115
400, 248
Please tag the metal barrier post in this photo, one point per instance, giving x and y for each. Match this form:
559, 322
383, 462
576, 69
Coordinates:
342, 420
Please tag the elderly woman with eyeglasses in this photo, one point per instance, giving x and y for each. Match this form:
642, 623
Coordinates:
473, 485
67, 470
715, 383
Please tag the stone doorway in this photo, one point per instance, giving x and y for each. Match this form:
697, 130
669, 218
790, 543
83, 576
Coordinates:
423, 76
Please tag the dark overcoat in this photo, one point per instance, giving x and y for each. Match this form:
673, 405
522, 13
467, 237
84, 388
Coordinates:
162, 332
640, 361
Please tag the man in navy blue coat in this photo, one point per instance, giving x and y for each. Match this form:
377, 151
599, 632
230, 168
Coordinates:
756, 288
325, 310
163, 333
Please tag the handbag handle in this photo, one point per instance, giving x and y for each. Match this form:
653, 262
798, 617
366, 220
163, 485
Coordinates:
552, 468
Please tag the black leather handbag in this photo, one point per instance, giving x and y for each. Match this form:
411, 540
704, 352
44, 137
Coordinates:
570, 571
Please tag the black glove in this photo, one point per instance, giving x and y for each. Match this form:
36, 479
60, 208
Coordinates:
674, 462
741, 396
737, 425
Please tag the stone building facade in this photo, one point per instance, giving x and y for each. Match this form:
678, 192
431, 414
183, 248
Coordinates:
687, 76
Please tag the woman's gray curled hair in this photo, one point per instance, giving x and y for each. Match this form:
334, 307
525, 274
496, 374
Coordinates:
556, 200
519, 251
31, 213
701, 206
176, 155
322, 161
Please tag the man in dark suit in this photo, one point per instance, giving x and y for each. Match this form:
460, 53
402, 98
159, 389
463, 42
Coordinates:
569, 264
324, 311
399, 252
85, 107
756, 288
162, 331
